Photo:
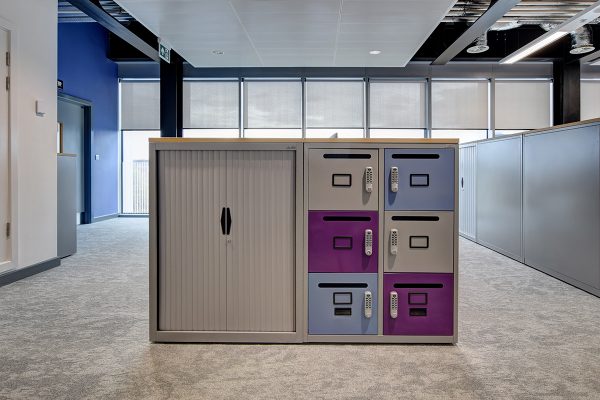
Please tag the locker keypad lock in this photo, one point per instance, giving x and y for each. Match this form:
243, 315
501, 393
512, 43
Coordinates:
368, 304
394, 241
394, 179
368, 242
369, 179
394, 304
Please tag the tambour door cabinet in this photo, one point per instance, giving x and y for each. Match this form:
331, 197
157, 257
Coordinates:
224, 225
307, 240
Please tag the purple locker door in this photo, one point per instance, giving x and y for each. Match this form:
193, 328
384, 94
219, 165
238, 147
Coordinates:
336, 241
425, 304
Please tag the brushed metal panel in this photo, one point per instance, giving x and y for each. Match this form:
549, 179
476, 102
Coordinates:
438, 257
467, 192
323, 195
192, 252
260, 254
561, 203
67, 206
499, 196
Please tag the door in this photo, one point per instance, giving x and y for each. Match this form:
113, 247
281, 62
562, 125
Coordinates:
342, 241
192, 273
5, 186
419, 179
261, 242
343, 179
419, 241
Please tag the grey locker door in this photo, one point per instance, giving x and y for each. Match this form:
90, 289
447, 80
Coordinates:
192, 252
260, 249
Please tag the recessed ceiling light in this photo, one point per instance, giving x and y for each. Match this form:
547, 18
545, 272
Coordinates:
218, 52
375, 52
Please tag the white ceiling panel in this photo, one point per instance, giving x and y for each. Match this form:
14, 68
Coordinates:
291, 33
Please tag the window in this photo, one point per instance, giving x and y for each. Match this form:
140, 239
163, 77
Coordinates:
459, 104
397, 133
398, 105
523, 104
140, 105
590, 99
273, 109
335, 108
211, 108
134, 178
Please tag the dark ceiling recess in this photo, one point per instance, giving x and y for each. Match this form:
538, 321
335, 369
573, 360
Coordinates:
69, 13
521, 25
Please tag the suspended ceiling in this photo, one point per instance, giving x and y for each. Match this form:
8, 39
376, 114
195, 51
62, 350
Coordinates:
291, 33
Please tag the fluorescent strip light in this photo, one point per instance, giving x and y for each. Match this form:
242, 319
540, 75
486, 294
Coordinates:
526, 51
578, 20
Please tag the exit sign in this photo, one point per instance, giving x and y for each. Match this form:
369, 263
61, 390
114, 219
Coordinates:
164, 51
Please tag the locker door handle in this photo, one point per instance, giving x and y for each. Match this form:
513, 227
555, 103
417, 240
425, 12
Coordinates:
394, 180
228, 220
223, 221
394, 304
368, 304
462, 182
394, 241
368, 242
369, 179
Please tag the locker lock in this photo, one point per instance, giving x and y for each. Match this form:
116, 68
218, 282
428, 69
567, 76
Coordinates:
394, 180
368, 179
368, 242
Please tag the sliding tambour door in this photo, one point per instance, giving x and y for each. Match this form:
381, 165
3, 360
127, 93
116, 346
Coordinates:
192, 252
260, 248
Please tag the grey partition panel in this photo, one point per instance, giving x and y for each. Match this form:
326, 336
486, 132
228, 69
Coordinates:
499, 196
467, 191
192, 247
67, 205
561, 230
260, 248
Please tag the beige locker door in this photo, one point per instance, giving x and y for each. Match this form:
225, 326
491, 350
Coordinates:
260, 249
192, 253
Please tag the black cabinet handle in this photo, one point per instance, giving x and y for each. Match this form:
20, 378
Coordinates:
462, 182
223, 221
228, 221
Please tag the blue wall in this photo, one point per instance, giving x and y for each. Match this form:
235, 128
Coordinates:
88, 74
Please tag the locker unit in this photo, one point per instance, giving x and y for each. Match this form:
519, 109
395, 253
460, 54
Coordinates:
342, 241
418, 304
342, 304
417, 241
419, 179
301, 241
343, 179
467, 191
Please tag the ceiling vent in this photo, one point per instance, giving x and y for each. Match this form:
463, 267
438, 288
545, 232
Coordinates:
581, 41
480, 45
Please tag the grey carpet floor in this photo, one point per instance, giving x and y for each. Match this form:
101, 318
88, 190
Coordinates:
80, 332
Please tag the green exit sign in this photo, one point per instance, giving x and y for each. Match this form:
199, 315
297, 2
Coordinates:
164, 51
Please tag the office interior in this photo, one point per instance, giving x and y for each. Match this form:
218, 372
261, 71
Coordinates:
468, 132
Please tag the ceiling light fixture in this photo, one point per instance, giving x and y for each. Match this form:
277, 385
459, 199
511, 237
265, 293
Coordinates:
375, 52
578, 20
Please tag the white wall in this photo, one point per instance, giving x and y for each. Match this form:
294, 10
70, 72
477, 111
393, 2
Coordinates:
33, 25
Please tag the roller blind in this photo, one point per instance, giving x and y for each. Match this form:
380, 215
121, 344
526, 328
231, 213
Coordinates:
522, 104
397, 104
459, 104
210, 104
590, 99
334, 104
140, 105
273, 104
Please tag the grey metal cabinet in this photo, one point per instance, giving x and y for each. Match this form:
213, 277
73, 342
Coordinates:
467, 191
561, 177
499, 195
226, 224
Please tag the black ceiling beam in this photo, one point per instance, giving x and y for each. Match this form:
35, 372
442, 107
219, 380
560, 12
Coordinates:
98, 14
479, 27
